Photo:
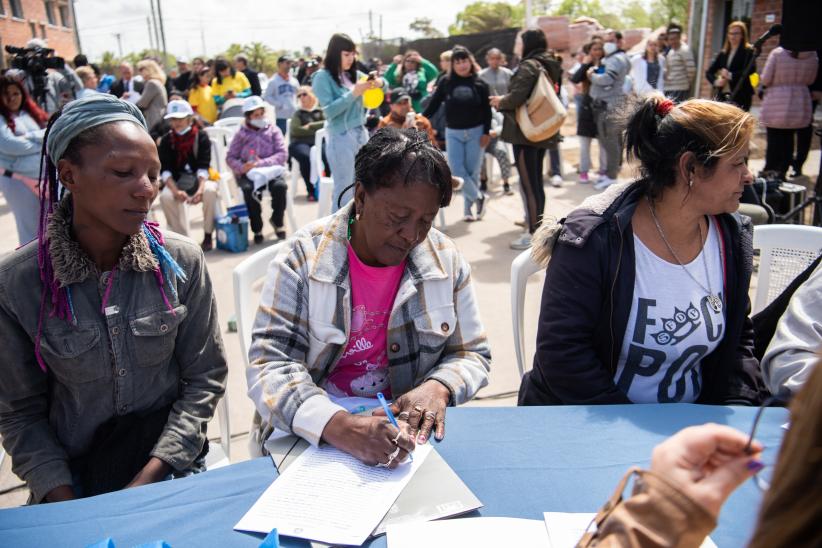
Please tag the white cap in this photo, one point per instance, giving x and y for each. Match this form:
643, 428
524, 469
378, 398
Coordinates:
182, 59
252, 103
178, 109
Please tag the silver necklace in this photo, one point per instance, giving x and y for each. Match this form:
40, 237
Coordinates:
713, 299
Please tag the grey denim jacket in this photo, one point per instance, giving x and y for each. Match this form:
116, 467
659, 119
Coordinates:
137, 357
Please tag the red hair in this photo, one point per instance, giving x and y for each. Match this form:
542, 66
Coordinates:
28, 105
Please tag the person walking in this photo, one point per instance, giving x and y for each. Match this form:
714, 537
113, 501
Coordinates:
680, 66
586, 124
468, 123
528, 155
608, 96
730, 72
787, 104
281, 93
339, 88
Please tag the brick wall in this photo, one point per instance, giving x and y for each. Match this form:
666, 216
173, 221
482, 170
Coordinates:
760, 23
35, 23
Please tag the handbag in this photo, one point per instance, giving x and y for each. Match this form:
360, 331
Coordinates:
542, 115
186, 181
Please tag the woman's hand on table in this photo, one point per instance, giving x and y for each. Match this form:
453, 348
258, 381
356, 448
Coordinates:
423, 408
370, 439
707, 462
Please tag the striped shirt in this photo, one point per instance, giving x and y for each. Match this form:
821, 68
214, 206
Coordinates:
680, 69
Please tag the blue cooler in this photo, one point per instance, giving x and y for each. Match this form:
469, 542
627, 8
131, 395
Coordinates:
232, 230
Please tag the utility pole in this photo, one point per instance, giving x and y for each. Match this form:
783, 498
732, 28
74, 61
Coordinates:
380, 28
119, 44
162, 30
76, 29
202, 38
156, 27
151, 44
370, 24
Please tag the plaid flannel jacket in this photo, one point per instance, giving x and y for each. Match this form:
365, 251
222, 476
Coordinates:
303, 325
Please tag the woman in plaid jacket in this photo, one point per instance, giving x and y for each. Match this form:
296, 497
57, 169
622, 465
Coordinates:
371, 300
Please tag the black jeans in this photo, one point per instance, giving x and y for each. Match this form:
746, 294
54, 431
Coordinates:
253, 201
529, 164
804, 136
779, 152
300, 152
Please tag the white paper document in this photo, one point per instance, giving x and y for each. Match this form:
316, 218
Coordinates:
329, 496
565, 529
473, 532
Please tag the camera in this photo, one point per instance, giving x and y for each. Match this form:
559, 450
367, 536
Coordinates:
34, 62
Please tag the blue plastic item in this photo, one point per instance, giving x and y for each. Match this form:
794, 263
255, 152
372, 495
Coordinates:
232, 230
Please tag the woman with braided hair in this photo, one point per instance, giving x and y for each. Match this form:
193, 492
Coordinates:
370, 300
113, 358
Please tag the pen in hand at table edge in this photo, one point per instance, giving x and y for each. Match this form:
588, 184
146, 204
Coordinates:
391, 417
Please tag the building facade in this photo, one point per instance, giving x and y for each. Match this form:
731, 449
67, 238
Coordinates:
52, 20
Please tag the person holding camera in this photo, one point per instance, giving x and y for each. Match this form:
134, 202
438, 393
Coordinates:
21, 138
413, 73
185, 154
402, 116
48, 80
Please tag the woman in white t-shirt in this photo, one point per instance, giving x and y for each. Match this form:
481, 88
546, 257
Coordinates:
646, 293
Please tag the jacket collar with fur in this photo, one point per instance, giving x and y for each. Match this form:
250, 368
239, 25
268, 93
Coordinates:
72, 265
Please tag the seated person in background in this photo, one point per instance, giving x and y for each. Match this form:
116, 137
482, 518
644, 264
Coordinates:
257, 156
368, 300
402, 116
791, 355
113, 360
159, 129
201, 98
185, 155
228, 83
305, 123
646, 292
89, 79
692, 473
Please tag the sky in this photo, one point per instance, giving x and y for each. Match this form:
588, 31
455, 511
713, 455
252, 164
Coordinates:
280, 24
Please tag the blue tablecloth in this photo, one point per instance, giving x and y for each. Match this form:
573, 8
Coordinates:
520, 462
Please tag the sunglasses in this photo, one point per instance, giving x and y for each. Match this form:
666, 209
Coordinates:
301, 95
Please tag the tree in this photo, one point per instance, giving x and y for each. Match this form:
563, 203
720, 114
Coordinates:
109, 62
260, 56
635, 15
487, 16
424, 26
665, 11
233, 49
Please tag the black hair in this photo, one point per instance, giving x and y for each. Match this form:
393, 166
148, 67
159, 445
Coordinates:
617, 35
396, 155
658, 141
80, 60
460, 52
333, 57
96, 68
533, 40
675, 27
219, 66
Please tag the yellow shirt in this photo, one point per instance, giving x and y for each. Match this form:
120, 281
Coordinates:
237, 83
202, 101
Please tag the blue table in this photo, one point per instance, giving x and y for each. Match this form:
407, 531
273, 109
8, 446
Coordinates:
519, 461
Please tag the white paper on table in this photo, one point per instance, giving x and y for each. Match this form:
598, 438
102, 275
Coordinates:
329, 496
565, 529
473, 532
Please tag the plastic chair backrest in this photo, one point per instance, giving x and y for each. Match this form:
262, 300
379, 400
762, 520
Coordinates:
522, 268
245, 275
232, 123
785, 251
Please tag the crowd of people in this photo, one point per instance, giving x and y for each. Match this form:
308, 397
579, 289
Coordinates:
646, 288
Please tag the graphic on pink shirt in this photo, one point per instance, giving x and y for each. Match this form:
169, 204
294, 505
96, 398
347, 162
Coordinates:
363, 369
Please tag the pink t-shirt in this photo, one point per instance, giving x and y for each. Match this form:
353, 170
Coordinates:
363, 369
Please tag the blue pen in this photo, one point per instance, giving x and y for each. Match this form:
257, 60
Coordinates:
390, 415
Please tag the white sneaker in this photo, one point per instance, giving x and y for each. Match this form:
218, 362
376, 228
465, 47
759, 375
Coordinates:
556, 181
523, 242
604, 183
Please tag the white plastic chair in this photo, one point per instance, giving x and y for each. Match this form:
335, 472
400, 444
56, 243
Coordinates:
233, 123
522, 268
245, 276
785, 251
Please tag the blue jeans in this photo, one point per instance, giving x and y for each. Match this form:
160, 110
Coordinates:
465, 158
25, 206
282, 123
341, 150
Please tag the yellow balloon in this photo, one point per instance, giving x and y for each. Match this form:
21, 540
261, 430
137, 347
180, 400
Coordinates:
372, 98
754, 79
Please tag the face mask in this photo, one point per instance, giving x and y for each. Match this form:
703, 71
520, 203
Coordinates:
609, 48
183, 131
259, 123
